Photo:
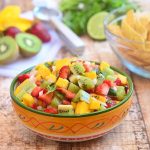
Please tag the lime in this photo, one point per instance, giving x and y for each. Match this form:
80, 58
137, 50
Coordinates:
95, 27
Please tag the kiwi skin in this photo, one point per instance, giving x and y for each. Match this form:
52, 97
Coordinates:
15, 55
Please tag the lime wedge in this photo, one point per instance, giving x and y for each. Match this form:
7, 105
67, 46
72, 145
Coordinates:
95, 27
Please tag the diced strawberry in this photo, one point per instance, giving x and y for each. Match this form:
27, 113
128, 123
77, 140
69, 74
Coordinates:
34, 106
110, 103
64, 72
47, 98
23, 77
102, 89
108, 82
87, 67
51, 110
38, 83
118, 82
36, 90
68, 94
66, 102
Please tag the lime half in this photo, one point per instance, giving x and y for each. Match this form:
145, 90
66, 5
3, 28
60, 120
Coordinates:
95, 27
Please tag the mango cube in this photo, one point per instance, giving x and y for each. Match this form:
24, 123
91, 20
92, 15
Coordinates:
122, 78
51, 78
82, 108
74, 105
63, 83
27, 99
94, 104
91, 75
99, 97
104, 65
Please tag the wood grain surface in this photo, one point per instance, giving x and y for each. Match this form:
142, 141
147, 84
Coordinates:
132, 134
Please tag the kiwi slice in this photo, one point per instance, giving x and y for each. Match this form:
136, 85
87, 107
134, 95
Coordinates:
77, 68
29, 44
73, 88
74, 78
86, 83
100, 79
55, 102
8, 50
65, 109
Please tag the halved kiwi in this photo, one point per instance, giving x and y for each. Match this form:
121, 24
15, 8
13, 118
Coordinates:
29, 44
8, 50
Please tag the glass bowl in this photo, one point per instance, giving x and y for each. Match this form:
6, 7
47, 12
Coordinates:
131, 53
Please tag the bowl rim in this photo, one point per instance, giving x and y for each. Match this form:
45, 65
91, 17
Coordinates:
117, 36
16, 100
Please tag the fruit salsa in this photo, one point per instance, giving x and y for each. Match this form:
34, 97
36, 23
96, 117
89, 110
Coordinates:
71, 87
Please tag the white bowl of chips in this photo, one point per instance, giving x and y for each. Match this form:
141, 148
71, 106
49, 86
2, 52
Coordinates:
129, 37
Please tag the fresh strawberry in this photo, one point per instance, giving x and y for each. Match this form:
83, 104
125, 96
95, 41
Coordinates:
64, 72
23, 77
102, 89
12, 31
47, 98
35, 92
68, 94
38, 83
66, 102
40, 31
110, 103
118, 82
34, 106
87, 67
108, 82
51, 110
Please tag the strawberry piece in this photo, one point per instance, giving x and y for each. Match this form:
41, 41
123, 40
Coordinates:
36, 90
34, 106
66, 102
12, 31
109, 83
64, 72
38, 83
40, 31
102, 89
23, 77
110, 103
51, 110
87, 67
68, 94
47, 98
118, 82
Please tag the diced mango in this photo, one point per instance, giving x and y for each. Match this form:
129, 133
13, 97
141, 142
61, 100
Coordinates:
94, 104
27, 99
51, 78
122, 78
99, 97
42, 71
82, 108
63, 83
104, 65
91, 75
74, 105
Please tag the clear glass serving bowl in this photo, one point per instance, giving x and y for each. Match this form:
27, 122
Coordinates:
131, 53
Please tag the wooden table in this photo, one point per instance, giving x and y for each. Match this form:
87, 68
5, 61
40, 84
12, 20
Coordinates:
132, 134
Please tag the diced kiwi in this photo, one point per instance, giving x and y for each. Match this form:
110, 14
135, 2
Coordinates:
65, 109
77, 68
74, 78
112, 92
107, 71
26, 86
44, 84
100, 79
8, 50
121, 92
85, 83
59, 95
55, 102
73, 88
29, 44
111, 77
82, 96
